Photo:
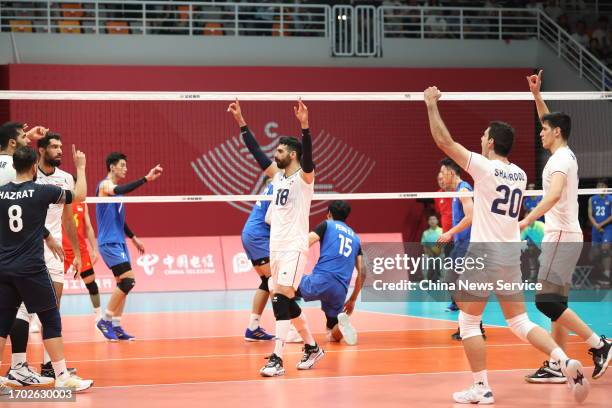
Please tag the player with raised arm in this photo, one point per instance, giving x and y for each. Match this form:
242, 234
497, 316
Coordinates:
498, 191
292, 174
112, 230
23, 270
562, 243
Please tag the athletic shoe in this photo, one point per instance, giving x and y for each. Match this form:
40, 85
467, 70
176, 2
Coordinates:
106, 328
273, 368
456, 335
346, 328
122, 335
476, 394
74, 382
293, 336
601, 357
4, 389
546, 375
46, 370
24, 376
312, 354
259, 334
452, 307
576, 381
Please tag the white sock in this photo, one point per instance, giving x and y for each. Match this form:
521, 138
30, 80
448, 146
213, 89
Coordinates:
480, 377
108, 315
553, 364
301, 325
46, 357
254, 321
116, 321
97, 311
595, 341
60, 369
558, 355
17, 358
282, 328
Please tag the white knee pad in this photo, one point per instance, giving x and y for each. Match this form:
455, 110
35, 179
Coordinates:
23, 314
521, 326
469, 325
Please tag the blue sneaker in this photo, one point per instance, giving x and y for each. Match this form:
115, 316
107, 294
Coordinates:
121, 334
106, 328
258, 334
452, 307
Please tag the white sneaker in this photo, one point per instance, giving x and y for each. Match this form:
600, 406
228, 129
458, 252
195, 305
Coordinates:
74, 382
312, 354
476, 394
273, 368
24, 376
576, 380
4, 389
346, 328
293, 336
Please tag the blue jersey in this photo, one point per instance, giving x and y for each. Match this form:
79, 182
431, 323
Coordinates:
458, 213
256, 223
110, 218
601, 208
340, 246
531, 202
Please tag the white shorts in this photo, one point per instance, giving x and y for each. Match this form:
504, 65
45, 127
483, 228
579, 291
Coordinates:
287, 267
560, 253
55, 267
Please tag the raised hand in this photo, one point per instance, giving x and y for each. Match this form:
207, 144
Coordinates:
432, 95
36, 133
301, 113
154, 173
234, 109
78, 157
535, 82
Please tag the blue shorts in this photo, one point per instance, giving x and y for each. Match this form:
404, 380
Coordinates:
35, 291
602, 237
256, 247
329, 291
459, 249
114, 254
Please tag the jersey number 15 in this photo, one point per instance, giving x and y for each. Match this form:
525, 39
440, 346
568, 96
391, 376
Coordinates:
345, 245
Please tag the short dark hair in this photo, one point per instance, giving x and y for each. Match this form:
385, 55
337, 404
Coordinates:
293, 145
46, 141
503, 137
24, 158
450, 164
559, 120
114, 158
603, 181
339, 210
8, 131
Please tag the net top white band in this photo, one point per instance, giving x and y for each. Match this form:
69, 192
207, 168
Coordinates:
292, 96
319, 197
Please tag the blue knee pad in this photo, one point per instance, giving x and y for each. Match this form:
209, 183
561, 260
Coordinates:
7, 318
51, 323
551, 305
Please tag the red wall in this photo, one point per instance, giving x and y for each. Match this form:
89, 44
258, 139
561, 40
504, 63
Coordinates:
362, 147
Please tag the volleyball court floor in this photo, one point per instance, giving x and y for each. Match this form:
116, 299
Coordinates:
190, 352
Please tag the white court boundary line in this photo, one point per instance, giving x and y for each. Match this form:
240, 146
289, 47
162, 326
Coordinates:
293, 96
316, 197
340, 377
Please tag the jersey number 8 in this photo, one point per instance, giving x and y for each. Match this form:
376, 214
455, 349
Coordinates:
15, 220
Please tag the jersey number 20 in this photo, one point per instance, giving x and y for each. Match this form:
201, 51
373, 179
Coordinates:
514, 196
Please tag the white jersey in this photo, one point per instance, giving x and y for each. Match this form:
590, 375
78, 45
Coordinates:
564, 214
54, 215
289, 212
7, 171
498, 195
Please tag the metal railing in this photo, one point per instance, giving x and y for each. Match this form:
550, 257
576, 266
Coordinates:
458, 22
567, 48
165, 17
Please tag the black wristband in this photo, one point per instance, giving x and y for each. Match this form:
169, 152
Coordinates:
307, 164
251, 144
129, 187
128, 232
46, 233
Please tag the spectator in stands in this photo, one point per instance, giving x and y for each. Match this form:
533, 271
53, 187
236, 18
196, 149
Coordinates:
529, 203
595, 49
603, 34
580, 35
532, 237
444, 206
553, 10
430, 248
535, 4
563, 22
